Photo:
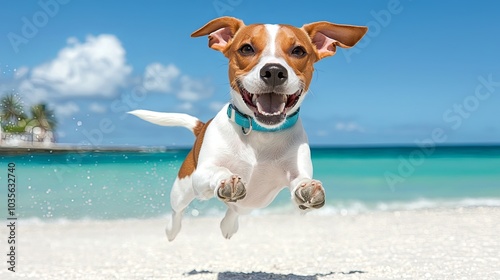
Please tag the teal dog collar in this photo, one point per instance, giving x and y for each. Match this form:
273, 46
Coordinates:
248, 124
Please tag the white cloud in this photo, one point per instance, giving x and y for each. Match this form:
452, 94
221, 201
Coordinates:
97, 108
21, 72
349, 127
216, 106
168, 79
186, 107
159, 78
322, 132
96, 67
194, 90
32, 93
66, 110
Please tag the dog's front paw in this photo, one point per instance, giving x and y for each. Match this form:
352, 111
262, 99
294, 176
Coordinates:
231, 189
309, 195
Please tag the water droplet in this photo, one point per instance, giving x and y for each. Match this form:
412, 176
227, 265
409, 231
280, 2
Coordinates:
195, 213
79, 123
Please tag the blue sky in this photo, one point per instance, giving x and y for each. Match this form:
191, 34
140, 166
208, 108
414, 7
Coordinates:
423, 66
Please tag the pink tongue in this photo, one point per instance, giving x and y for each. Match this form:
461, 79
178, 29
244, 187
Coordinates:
270, 103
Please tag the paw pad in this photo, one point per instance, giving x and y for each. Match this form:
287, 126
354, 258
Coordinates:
310, 195
232, 189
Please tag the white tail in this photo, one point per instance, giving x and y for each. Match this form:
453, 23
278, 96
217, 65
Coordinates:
168, 119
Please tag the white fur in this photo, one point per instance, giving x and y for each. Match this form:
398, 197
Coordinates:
272, 32
167, 119
266, 162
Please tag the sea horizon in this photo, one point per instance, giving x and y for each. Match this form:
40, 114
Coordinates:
62, 147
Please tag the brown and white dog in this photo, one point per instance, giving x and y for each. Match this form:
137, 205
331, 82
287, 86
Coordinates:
256, 145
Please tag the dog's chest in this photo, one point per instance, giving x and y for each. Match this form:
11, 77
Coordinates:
265, 173
266, 161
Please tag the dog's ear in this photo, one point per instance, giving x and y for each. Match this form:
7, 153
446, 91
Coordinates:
327, 36
220, 31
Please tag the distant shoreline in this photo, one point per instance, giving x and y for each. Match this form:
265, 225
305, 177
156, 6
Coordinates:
67, 148
372, 149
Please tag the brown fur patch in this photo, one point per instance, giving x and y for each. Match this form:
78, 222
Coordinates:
198, 128
191, 160
254, 35
287, 39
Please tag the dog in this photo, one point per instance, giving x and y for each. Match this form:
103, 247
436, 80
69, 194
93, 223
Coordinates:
256, 145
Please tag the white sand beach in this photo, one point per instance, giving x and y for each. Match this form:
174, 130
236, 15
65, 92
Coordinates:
461, 243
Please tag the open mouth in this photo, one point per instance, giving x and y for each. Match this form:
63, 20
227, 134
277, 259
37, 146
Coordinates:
270, 108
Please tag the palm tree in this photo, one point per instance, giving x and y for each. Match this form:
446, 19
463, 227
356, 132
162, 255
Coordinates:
43, 117
11, 110
42, 123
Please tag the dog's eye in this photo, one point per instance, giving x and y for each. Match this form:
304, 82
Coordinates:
299, 51
246, 50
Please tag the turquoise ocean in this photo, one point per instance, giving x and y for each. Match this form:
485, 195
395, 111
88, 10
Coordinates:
103, 185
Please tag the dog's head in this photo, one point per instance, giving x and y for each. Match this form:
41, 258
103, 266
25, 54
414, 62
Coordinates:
271, 66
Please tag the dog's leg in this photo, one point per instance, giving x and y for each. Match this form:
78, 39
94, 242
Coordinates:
307, 193
181, 195
210, 180
218, 181
229, 225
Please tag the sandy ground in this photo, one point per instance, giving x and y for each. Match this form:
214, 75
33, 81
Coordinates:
426, 244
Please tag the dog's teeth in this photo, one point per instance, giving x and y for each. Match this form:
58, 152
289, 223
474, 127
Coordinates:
254, 98
282, 107
259, 108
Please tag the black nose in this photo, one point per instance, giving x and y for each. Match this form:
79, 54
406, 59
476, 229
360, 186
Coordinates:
273, 74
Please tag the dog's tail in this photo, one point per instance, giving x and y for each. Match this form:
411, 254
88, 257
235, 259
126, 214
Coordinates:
170, 119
